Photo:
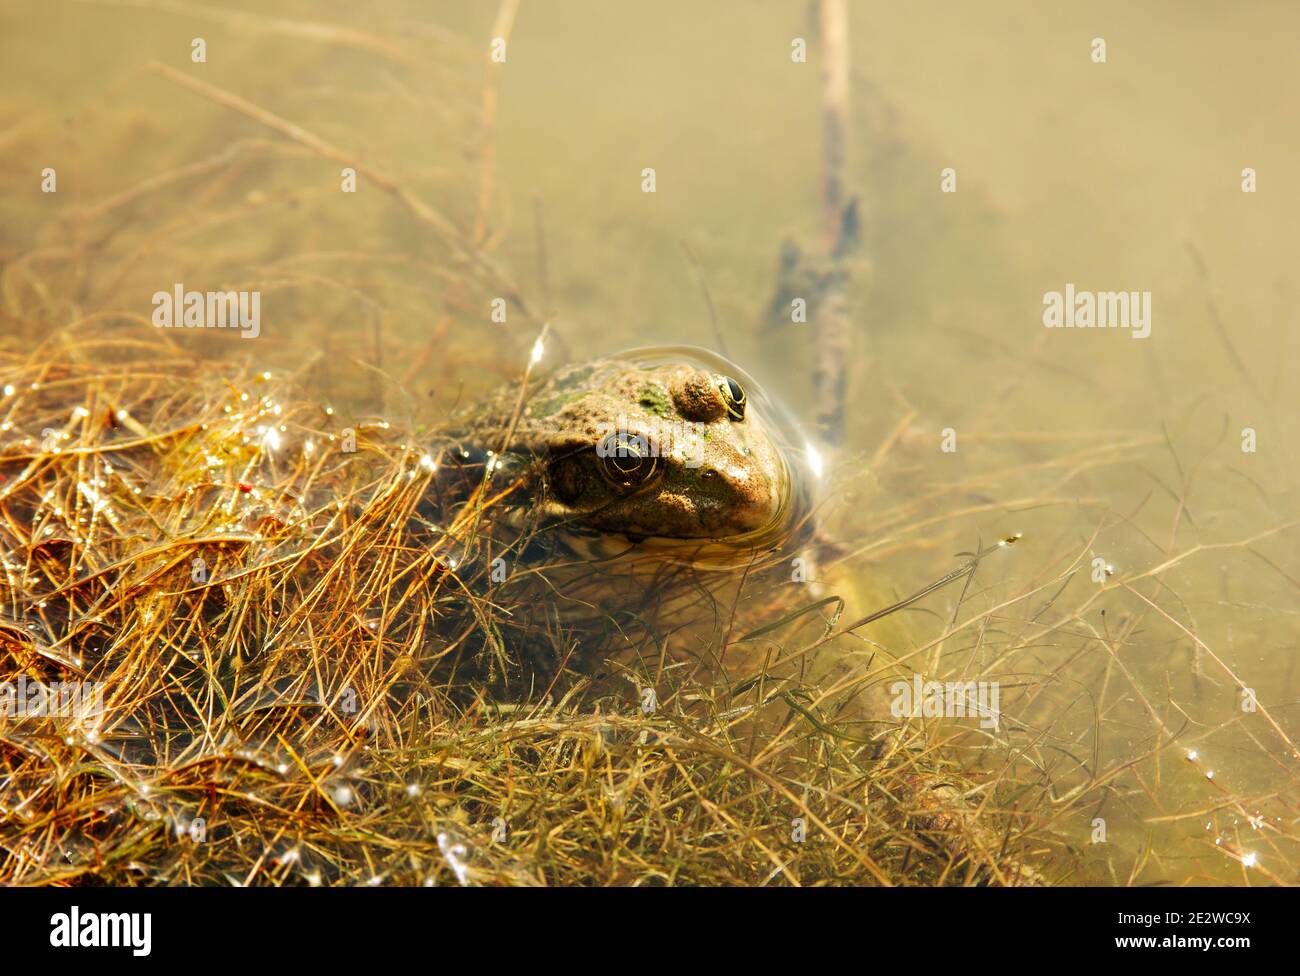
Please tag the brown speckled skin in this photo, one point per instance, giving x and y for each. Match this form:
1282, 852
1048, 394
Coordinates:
717, 477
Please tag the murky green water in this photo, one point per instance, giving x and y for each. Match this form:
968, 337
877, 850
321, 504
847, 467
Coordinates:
1123, 175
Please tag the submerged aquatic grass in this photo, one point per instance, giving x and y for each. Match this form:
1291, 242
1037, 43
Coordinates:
301, 678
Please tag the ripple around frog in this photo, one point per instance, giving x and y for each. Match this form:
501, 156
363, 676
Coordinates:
800, 481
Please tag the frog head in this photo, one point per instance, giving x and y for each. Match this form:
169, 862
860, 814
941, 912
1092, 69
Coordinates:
659, 448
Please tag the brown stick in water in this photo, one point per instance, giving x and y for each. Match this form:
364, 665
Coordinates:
832, 333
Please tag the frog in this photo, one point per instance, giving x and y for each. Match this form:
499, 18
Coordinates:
653, 447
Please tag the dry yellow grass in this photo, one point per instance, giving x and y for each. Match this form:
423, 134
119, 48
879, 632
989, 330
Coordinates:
307, 680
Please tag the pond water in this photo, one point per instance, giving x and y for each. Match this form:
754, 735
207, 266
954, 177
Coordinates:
1143, 630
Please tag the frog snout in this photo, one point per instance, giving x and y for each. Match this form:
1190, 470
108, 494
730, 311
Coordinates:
745, 498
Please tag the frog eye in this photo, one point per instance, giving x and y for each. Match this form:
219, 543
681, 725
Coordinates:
627, 460
733, 395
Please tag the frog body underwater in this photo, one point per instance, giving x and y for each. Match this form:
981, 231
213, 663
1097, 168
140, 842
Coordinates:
631, 495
